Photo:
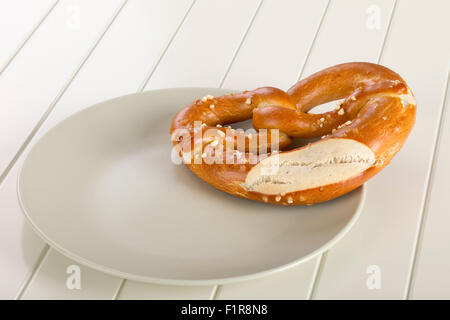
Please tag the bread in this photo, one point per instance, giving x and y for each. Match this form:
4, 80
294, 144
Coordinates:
359, 138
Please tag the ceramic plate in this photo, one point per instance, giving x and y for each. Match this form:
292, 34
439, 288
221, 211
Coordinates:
100, 187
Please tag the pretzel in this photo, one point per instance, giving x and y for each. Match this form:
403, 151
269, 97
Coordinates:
358, 138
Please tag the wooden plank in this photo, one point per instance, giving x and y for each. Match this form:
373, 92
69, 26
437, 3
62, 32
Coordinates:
118, 66
39, 72
20, 247
431, 280
204, 47
27, 87
293, 283
273, 53
59, 277
382, 241
18, 21
133, 290
122, 61
345, 35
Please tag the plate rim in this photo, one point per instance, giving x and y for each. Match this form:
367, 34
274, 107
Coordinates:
165, 281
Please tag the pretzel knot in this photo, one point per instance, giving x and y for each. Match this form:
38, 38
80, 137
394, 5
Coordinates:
359, 137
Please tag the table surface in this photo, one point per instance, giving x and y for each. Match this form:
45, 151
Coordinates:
58, 57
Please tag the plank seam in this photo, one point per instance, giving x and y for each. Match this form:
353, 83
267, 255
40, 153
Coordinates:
383, 44
28, 37
426, 199
172, 37
119, 289
317, 272
308, 53
215, 292
244, 36
37, 265
58, 97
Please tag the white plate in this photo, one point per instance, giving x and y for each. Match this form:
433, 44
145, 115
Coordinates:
100, 187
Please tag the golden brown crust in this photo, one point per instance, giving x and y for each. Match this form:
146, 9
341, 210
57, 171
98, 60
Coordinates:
378, 111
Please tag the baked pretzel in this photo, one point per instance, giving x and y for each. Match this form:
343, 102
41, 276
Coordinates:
359, 137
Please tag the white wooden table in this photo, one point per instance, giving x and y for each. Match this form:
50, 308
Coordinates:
57, 57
